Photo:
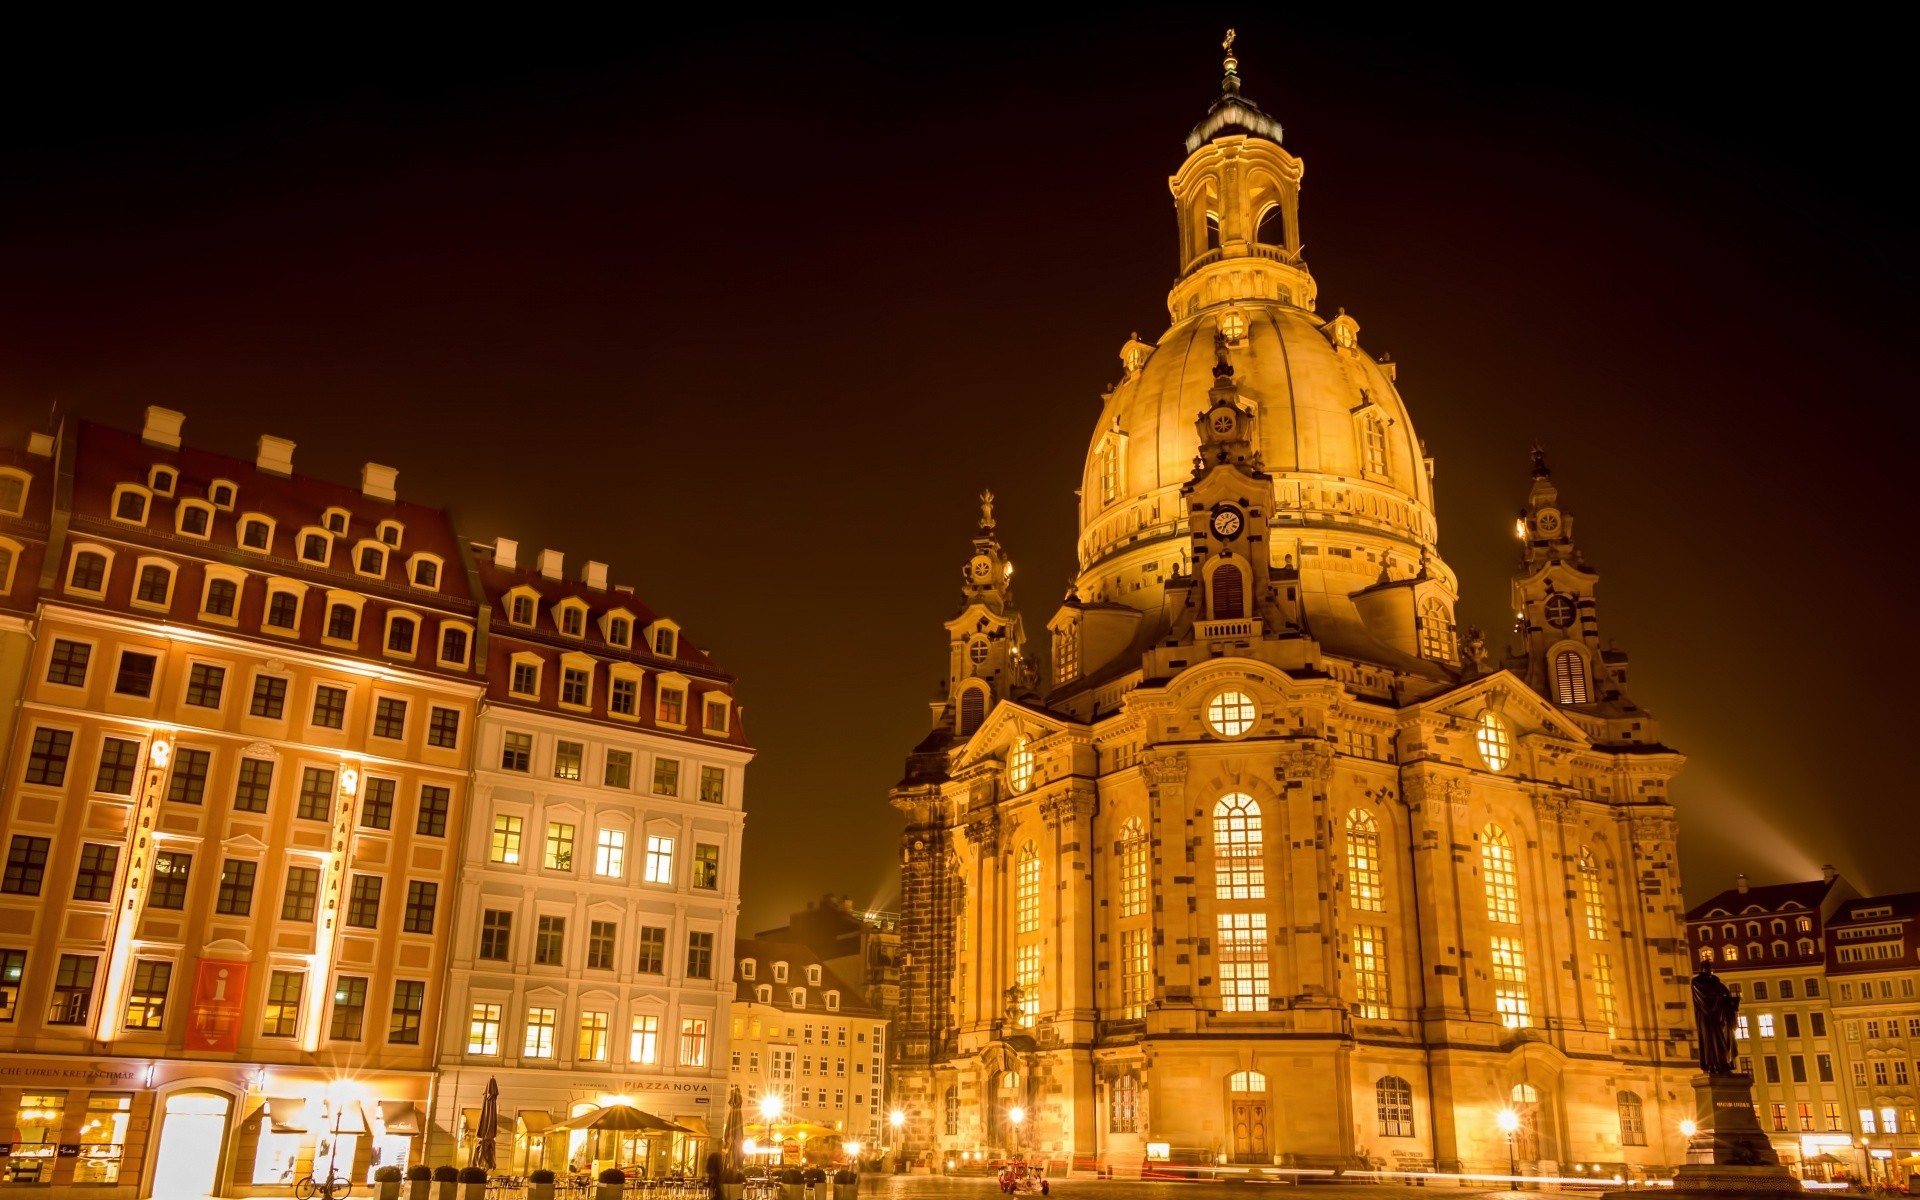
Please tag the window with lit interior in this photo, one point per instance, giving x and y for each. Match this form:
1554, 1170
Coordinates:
1239, 870
1494, 742
1499, 876
1231, 713
1364, 891
1027, 891
1020, 765
1133, 869
1436, 630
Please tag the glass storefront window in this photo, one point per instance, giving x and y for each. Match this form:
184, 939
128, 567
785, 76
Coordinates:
103, 1137
37, 1140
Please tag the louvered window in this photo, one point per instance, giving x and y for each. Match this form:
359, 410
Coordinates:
973, 710
1229, 596
1569, 678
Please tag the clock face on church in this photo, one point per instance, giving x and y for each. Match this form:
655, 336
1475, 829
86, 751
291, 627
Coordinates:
1224, 421
1227, 521
1547, 521
980, 568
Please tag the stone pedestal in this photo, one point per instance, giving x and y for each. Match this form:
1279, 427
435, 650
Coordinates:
1728, 1155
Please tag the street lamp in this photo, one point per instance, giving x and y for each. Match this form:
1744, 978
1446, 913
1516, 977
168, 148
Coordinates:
1509, 1122
898, 1119
770, 1107
1687, 1129
853, 1153
1018, 1116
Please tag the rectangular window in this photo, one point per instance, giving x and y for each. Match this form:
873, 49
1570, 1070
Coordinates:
1793, 1024
1833, 1115
1242, 952
619, 769
483, 1029
666, 776
610, 853
171, 870
559, 855
1603, 990
625, 697
505, 847
67, 663
516, 752
99, 863
409, 1002
1510, 982
593, 1037
1371, 997
644, 1046
73, 989
550, 941
363, 902
422, 896
303, 891
1806, 1117
1879, 1073
1779, 1114
567, 757
204, 685
443, 727
1766, 1025
600, 938
1823, 1066
47, 761
716, 716
281, 1016
540, 1025
330, 707
118, 759
713, 785
147, 999
1771, 1065
13, 971
699, 955
269, 697
1136, 972
236, 888
1797, 1067
189, 782
653, 950
659, 859
693, 1042
574, 686
706, 866
135, 677
1867, 1122
376, 803
526, 680
496, 934
316, 794
389, 717
434, 802
255, 785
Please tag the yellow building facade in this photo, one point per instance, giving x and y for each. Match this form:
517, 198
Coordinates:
1274, 868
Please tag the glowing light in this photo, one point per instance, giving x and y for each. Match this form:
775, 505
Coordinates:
770, 1107
896, 1118
1520, 528
1508, 1120
160, 753
1009, 571
349, 782
949, 1164
1687, 1128
853, 1149
750, 1146
1017, 1115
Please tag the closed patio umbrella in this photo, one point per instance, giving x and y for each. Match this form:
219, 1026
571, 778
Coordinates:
736, 1129
488, 1127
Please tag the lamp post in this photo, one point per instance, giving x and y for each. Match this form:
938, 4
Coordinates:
770, 1107
853, 1154
898, 1120
1018, 1117
1509, 1122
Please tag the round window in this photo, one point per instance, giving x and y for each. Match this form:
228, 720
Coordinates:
1559, 611
978, 651
1496, 745
1230, 713
1020, 765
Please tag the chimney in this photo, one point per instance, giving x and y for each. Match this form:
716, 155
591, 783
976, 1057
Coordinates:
506, 553
162, 427
40, 445
275, 455
551, 564
594, 575
1828, 873
377, 481
625, 589
1740, 882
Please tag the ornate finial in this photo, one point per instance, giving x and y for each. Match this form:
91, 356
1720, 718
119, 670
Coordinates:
1222, 369
1540, 462
1232, 81
986, 510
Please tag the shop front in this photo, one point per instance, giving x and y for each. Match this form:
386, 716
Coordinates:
299, 1125
67, 1125
650, 1128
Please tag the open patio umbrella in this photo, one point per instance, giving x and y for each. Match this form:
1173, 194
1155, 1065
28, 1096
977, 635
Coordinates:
736, 1129
488, 1128
622, 1118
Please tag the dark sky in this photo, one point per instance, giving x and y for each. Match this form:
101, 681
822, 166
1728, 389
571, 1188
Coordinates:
753, 313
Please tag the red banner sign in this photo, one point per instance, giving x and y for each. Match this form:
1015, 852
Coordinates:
219, 993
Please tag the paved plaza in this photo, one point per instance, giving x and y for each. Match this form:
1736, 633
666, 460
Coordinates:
921, 1187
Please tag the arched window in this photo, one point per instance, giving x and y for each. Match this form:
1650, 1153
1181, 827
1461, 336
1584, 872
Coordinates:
1499, 876
1026, 906
341, 621
221, 594
973, 709
1239, 872
1753, 951
1569, 677
400, 632
1133, 869
1363, 863
1806, 945
1213, 232
1123, 1105
1373, 443
1779, 949
1229, 593
89, 572
155, 584
1494, 742
1730, 954
1591, 898
1436, 630
1394, 1098
1246, 1081
1706, 953
1633, 1120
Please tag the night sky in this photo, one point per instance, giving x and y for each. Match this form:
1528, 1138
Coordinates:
753, 313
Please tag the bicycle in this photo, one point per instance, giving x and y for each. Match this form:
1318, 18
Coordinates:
337, 1187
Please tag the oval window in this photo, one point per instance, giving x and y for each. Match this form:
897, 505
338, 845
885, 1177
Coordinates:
1231, 713
1020, 765
1496, 746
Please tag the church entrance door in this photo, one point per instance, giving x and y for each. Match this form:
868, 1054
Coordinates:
1250, 1131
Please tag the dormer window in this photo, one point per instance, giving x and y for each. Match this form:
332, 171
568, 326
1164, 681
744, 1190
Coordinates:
619, 631
779, 972
520, 609
799, 999
401, 630
389, 532
335, 520
672, 708
256, 533
764, 993
130, 504
746, 968
13, 492
715, 711
573, 619
833, 1001
372, 560
222, 492
813, 975
161, 480
316, 548
425, 571
665, 638
194, 518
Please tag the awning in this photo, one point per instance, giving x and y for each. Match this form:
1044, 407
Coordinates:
400, 1116
697, 1126
347, 1117
533, 1122
287, 1114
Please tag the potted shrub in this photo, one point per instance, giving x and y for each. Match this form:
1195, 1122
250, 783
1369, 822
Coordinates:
732, 1183
612, 1180
419, 1181
446, 1183
813, 1178
845, 1182
473, 1183
540, 1185
790, 1182
388, 1181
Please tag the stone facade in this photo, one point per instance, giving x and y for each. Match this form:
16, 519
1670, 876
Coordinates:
1274, 867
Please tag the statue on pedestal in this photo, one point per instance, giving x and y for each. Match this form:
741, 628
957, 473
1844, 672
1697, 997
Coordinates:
1715, 1014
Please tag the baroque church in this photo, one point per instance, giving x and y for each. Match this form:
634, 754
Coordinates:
1275, 867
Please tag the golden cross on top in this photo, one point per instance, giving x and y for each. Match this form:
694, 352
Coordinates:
1228, 44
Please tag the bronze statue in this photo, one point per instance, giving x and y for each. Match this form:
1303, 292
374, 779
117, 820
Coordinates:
1715, 1012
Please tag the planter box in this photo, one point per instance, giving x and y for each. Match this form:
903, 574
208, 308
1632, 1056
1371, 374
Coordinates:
473, 1191
607, 1191
388, 1191
448, 1189
539, 1191
419, 1189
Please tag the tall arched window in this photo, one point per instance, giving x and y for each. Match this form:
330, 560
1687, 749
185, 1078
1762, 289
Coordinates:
1239, 872
1123, 1107
1026, 905
1436, 630
1633, 1120
1229, 593
1394, 1097
1373, 443
1133, 869
1364, 892
1590, 897
1569, 677
1499, 876
953, 1112
973, 709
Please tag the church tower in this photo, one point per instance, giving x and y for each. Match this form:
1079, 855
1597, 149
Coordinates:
1275, 868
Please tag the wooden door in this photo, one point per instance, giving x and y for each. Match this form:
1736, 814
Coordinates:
1250, 1131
